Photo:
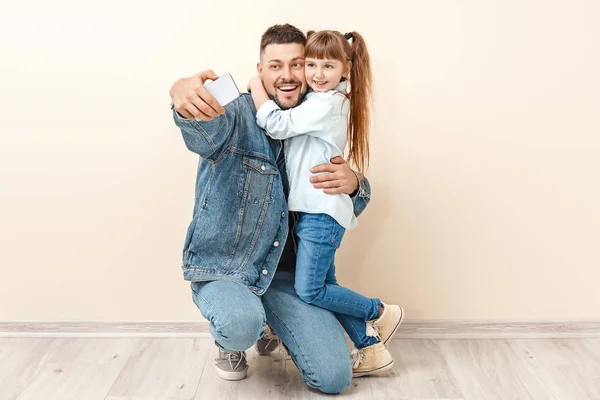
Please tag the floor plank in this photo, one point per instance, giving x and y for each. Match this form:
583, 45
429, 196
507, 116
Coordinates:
593, 345
77, 369
20, 361
570, 368
492, 369
162, 369
183, 368
420, 372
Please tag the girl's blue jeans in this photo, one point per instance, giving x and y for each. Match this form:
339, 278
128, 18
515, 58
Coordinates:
319, 237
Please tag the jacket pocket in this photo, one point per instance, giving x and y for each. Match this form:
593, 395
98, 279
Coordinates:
255, 185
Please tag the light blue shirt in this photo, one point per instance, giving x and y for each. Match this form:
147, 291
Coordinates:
315, 131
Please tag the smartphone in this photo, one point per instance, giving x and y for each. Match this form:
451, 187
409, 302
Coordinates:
224, 89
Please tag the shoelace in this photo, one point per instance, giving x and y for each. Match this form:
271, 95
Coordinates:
270, 336
238, 356
357, 357
373, 330
283, 351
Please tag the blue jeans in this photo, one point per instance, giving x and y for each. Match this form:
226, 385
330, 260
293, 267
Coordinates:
311, 334
319, 236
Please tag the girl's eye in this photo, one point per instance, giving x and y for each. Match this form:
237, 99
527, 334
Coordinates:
329, 66
311, 65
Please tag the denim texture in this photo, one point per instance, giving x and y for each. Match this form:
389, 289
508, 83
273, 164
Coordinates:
240, 218
311, 334
235, 240
319, 236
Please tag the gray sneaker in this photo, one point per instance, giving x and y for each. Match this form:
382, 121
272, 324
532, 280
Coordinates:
231, 365
268, 343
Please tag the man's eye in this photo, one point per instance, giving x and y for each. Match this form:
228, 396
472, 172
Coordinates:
274, 66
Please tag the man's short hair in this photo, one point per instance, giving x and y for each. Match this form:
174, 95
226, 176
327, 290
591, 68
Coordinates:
282, 34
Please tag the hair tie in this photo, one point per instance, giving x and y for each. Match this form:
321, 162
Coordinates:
349, 36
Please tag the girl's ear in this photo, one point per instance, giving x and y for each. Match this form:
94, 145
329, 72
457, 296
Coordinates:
348, 68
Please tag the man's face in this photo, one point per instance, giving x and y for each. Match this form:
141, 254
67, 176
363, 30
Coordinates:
281, 68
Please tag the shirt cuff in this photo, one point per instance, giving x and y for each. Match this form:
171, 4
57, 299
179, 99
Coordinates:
177, 115
264, 111
361, 186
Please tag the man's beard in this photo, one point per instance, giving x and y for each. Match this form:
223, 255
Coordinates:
283, 106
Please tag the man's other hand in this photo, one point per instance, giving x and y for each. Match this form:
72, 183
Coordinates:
334, 178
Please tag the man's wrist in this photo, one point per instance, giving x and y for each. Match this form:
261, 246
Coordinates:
358, 184
181, 117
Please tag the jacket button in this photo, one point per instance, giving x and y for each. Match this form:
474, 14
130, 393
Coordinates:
262, 167
283, 214
276, 244
265, 272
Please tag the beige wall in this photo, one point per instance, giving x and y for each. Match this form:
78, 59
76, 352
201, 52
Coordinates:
485, 154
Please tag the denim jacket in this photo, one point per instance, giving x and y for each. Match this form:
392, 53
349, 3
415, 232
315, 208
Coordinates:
240, 219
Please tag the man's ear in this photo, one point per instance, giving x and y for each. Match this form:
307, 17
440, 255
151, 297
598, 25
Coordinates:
259, 68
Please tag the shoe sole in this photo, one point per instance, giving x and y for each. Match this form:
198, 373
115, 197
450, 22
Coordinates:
231, 375
375, 371
397, 325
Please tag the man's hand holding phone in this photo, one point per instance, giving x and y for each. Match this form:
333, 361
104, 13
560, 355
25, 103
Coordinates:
192, 100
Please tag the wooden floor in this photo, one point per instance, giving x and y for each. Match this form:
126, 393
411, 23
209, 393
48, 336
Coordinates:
173, 369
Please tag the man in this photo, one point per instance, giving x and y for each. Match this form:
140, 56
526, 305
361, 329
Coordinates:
239, 250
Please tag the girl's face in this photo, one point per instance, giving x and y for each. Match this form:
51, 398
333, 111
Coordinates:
323, 75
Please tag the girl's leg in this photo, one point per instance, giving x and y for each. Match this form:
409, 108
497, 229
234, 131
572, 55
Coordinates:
371, 355
319, 236
356, 328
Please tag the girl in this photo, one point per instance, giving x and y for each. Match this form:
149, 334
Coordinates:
316, 131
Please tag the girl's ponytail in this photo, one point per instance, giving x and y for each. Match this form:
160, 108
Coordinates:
360, 104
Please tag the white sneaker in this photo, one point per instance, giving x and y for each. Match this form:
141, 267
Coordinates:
370, 360
386, 325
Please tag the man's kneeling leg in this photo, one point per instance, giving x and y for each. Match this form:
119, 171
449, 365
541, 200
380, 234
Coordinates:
312, 335
237, 321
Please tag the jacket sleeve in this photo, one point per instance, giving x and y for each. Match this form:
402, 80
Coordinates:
309, 118
362, 197
208, 138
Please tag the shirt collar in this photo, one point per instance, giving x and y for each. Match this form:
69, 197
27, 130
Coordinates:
342, 87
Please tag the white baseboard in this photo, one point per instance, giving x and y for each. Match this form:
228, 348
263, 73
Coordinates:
470, 329
421, 329
105, 329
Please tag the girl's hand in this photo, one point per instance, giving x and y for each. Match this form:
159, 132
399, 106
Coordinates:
259, 94
253, 82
